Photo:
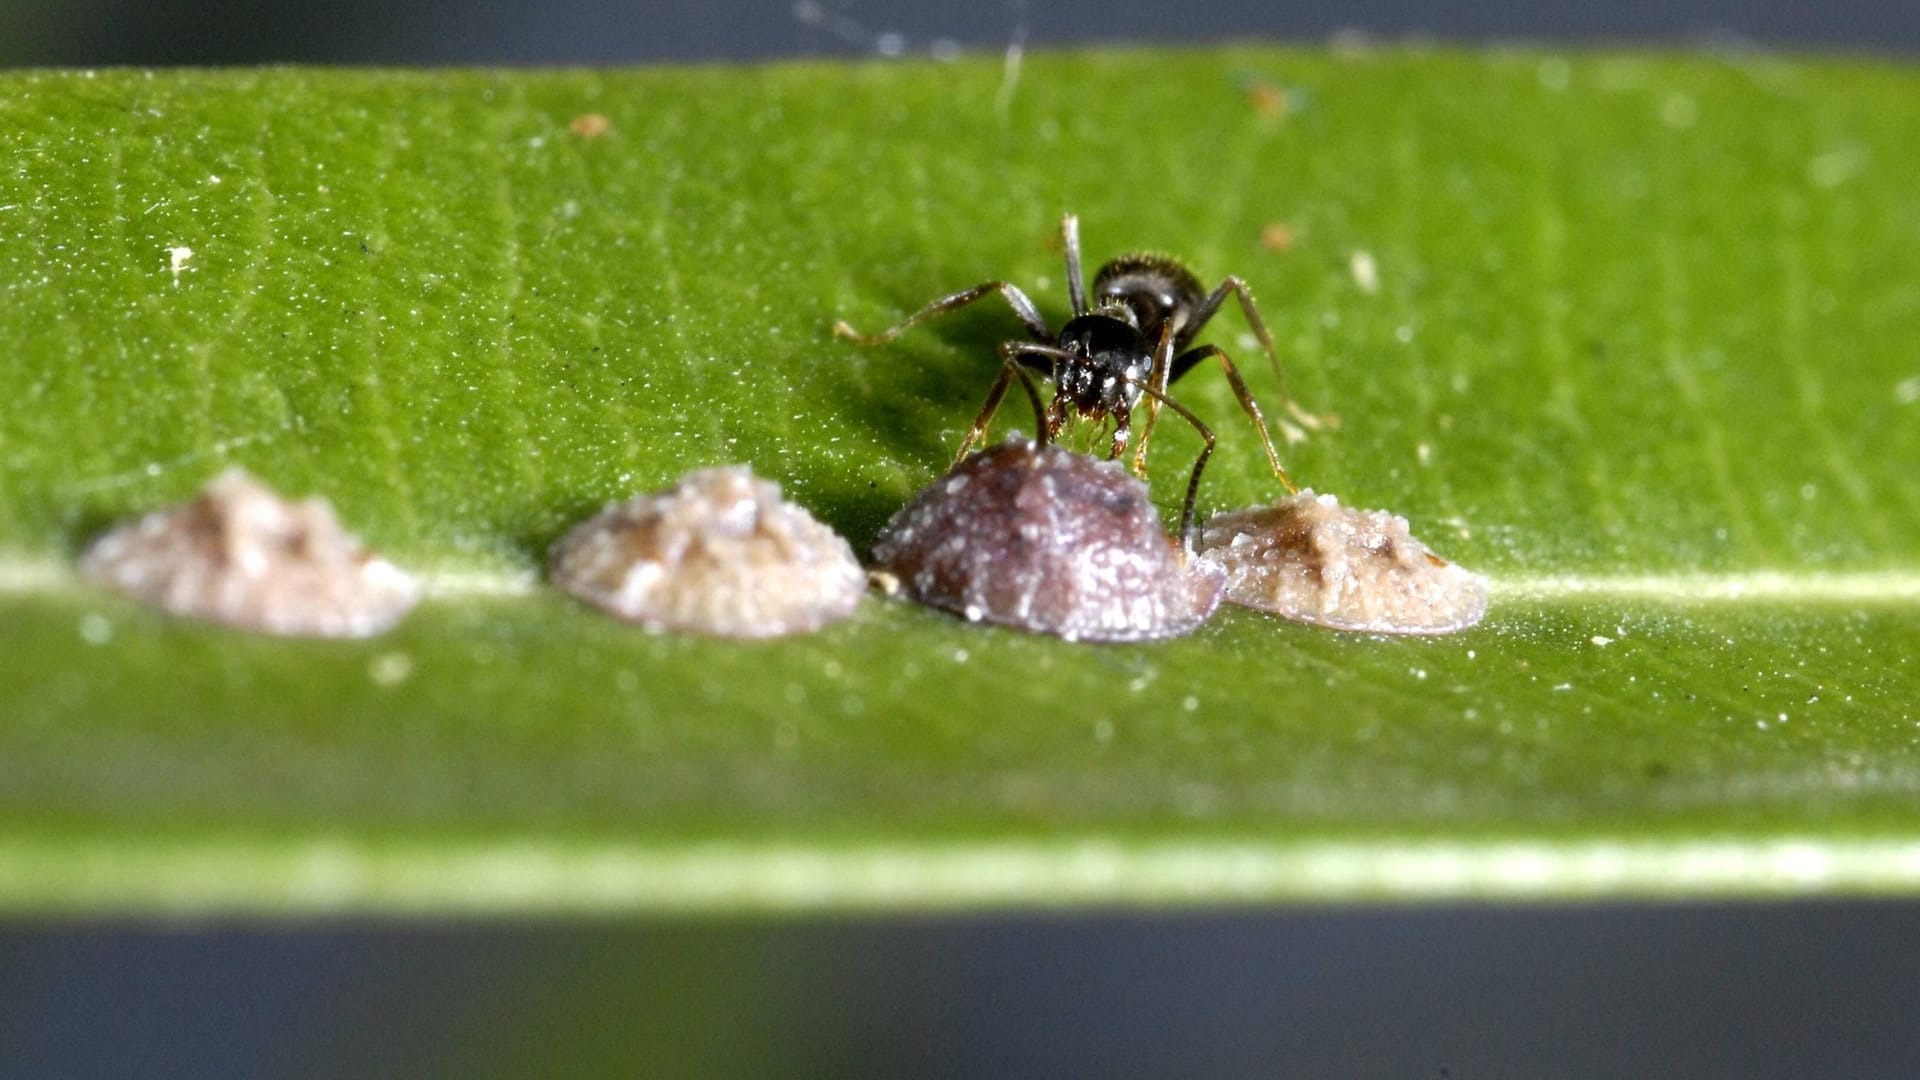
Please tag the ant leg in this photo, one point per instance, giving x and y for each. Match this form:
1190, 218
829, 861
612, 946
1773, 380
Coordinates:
1200, 463
1010, 355
1157, 378
1211, 305
1054, 417
1191, 357
987, 410
1010, 367
1016, 299
1076, 284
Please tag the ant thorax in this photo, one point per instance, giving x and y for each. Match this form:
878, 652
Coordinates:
1110, 361
1155, 289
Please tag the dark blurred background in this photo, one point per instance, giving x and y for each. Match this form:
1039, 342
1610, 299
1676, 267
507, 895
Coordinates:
104, 32
1775, 990
1808, 992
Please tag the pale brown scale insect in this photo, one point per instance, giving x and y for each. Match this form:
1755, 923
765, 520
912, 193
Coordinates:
241, 555
1309, 559
1037, 538
720, 554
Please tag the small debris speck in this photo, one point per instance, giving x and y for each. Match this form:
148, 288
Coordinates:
1365, 271
590, 125
1267, 99
1272, 100
95, 629
1832, 169
390, 669
1049, 541
719, 553
1554, 73
1679, 111
1310, 559
240, 554
1277, 237
177, 260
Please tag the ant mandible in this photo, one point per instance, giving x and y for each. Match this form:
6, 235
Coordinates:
1128, 345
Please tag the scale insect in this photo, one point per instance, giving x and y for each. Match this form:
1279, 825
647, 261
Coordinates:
720, 554
1309, 559
1033, 537
240, 554
1125, 344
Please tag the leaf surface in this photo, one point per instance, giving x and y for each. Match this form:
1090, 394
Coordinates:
1633, 335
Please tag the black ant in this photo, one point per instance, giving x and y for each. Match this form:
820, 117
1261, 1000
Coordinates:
1130, 344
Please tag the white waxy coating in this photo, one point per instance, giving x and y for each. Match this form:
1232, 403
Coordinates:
1045, 540
1310, 559
719, 553
240, 554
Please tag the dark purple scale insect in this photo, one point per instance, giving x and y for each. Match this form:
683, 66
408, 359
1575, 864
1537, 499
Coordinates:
1125, 347
1038, 538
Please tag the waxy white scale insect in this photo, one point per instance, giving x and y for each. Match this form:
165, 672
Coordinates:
1310, 559
719, 553
240, 554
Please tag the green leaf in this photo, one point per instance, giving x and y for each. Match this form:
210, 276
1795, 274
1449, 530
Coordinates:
1639, 344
